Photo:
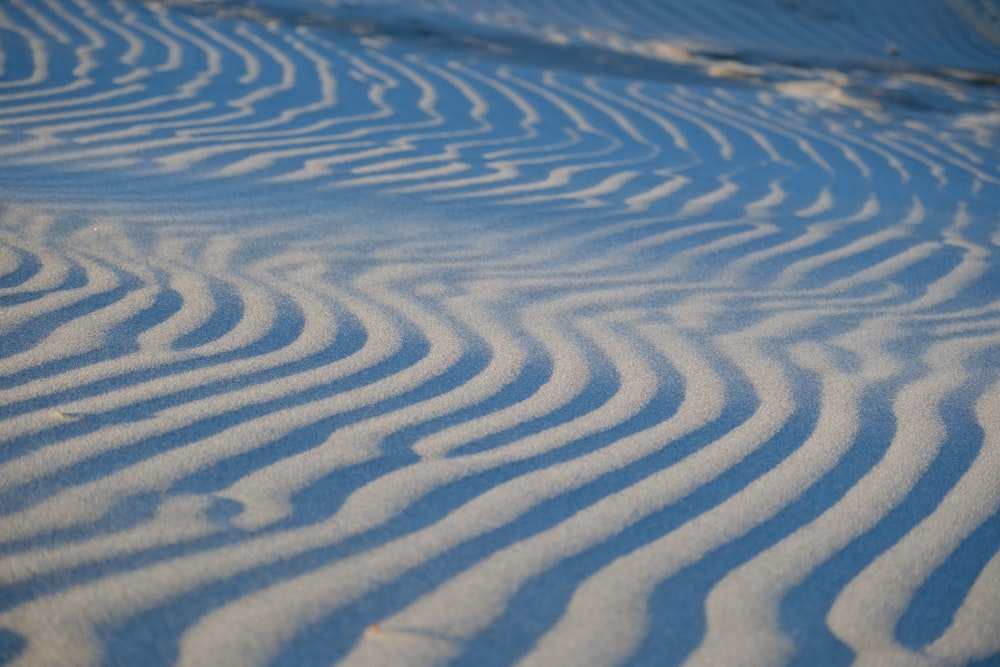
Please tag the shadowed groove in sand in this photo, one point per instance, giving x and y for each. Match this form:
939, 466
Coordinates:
605, 333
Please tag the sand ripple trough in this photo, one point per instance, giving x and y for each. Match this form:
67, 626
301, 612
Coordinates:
537, 333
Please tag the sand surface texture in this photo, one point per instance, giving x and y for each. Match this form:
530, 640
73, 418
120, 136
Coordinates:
499, 333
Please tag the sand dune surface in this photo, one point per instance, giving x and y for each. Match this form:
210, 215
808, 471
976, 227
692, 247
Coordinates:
499, 333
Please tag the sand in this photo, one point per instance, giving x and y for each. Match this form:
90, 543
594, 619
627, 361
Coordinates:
534, 333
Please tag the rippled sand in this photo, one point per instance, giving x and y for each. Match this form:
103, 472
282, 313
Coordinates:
536, 333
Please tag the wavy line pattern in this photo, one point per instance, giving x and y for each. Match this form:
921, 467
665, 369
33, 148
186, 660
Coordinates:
536, 333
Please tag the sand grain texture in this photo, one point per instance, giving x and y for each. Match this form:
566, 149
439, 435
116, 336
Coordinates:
481, 333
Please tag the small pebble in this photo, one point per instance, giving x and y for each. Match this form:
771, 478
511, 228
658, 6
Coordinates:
67, 416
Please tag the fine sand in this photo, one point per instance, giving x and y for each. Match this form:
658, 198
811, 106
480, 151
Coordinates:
494, 333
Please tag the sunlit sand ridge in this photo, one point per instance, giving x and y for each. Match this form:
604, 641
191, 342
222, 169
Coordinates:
464, 333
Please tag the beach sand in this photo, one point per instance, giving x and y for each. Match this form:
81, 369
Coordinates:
534, 333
